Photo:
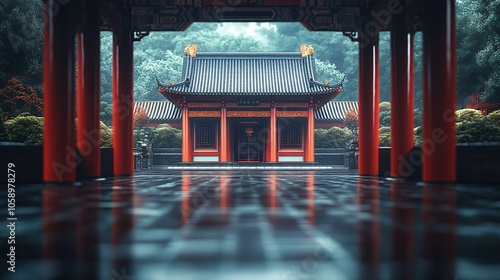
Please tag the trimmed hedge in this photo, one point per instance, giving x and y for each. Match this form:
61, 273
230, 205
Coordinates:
468, 114
334, 137
25, 129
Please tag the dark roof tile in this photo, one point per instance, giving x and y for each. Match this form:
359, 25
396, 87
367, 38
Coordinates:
249, 74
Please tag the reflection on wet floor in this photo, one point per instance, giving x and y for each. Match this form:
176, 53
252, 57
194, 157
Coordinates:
329, 224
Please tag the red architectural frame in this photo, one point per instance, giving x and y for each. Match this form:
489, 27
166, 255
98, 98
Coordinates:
59, 149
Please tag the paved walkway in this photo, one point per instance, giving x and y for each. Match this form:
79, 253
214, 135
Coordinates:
249, 224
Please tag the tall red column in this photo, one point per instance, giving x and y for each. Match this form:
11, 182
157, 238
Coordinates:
186, 142
59, 155
123, 100
310, 136
89, 59
402, 94
439, 134
273, 135
223, 135
368, 100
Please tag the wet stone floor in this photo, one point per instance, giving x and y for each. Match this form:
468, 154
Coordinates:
284, 225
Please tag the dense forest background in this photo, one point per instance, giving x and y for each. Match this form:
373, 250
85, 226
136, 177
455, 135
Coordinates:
478, 49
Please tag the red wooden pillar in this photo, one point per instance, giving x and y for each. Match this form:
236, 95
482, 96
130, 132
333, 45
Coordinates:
59, 154
368, 98
310, 136
186, 142
402, 93
439, 135
123, 100
273, 136
89, 59
223, 135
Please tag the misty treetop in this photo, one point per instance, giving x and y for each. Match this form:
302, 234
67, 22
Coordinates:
161, 53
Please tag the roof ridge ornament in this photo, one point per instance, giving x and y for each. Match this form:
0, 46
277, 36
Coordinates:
306, 50
191, 50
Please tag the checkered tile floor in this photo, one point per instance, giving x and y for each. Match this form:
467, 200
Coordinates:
254, 224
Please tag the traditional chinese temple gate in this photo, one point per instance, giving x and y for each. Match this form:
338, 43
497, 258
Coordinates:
249, 107
359, 20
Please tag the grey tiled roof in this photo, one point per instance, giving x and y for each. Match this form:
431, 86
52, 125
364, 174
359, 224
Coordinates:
166, 111
160, 111
334, 111
249, 74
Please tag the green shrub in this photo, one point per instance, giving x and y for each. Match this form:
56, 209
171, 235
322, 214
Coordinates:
144, 132
166, 137
385, 106
106, 136
25, 129
494, 118
385, 136
384, 129
417, 136
334, 137
320, 139
417, 119
3, 130
339, 136
24, 114
385, 118
468, 114
477, 130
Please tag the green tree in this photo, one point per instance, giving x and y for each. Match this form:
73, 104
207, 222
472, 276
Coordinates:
417, 117
166, 137
320, 139
478, 49
488, 21
106, 113
21, 35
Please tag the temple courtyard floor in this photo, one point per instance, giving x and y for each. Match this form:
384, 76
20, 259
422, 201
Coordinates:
252, 224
